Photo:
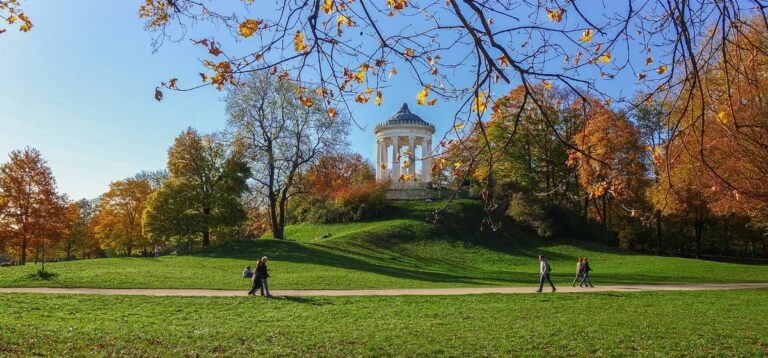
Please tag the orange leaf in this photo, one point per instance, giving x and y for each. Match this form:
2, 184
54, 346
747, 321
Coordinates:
249, 27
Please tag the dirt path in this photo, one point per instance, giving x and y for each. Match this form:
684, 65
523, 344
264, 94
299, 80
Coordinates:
382, 292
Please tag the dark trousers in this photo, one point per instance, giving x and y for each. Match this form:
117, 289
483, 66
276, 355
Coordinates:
255, 287
584, 279
544, 277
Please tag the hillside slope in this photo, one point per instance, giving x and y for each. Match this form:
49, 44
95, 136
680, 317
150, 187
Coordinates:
402, 249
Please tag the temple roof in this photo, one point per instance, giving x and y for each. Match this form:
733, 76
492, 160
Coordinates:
404, 116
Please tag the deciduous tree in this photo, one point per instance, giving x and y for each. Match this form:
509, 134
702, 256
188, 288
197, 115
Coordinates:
203, 190
31, 208
283, 128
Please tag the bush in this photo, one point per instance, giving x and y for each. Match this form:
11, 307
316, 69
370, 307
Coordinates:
532, 213
357, 202
555, 221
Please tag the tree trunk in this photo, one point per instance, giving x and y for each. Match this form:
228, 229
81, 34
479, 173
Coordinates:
206, 229
586, 205
43, 262
698, 226
660, 246
277, 230
23, 253
69, 250
726, 236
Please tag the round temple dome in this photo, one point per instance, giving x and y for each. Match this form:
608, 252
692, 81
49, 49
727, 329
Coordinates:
404, 117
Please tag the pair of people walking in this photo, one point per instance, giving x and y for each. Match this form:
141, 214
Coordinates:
582, 273
259, 278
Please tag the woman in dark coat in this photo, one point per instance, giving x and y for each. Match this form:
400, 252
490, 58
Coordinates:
255, 282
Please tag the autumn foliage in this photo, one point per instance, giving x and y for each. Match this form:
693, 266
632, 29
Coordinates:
338, 188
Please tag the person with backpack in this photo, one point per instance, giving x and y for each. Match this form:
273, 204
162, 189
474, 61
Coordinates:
248, 273
579, 271
585, 274
544, 271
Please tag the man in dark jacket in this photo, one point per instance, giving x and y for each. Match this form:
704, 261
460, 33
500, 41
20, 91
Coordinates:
585, 274
262, 275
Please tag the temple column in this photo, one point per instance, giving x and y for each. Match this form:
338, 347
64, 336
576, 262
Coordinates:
395, 159
384, 165
412, 155
378, 159
426, 163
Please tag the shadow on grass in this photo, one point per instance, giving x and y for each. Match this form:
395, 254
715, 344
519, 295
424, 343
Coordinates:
42, 275
306, 300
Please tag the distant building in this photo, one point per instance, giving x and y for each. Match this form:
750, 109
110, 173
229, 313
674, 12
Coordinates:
404, 151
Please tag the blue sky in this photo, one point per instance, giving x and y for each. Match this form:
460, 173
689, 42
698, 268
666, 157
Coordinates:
79, 88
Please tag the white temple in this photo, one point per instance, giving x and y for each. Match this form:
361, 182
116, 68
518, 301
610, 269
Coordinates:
403, 151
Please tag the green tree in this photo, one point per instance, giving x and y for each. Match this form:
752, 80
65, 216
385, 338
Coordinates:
203, 190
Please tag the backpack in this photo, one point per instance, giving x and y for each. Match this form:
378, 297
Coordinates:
248, 274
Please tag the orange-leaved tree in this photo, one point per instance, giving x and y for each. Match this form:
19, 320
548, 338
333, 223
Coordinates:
117, 223
610, 163
32, 211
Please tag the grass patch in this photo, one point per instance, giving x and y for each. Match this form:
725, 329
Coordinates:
400, 250
714, 323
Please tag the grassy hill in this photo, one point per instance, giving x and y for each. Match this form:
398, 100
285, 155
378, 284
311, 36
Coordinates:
402, 249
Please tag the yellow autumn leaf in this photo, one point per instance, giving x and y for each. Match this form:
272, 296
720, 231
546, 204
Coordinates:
342, 20
421, 97
360, 76
459, 126
586, 36
249, 27
480, 102
377, 100
332, 112
555, 15
648, 60
606, 58
408, 52
298, 42
432, 102
328, 6
547, 84
392, 72
661, 69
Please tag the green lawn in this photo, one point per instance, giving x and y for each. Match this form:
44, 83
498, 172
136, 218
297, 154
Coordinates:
714, 323
401, 250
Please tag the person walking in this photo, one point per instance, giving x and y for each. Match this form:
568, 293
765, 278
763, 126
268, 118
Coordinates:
255, 282
585, 274
263, 276
579, 271
157, 250
544, 271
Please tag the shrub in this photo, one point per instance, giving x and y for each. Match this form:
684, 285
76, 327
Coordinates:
353, 203
532, 213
